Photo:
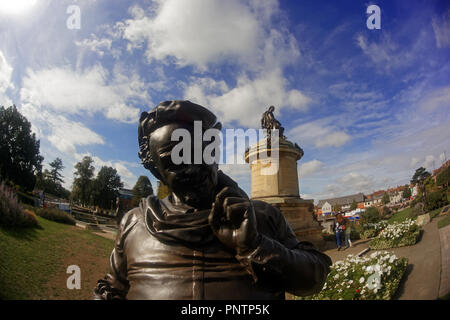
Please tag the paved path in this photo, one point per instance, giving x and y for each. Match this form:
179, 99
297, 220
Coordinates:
421, 281
444, 234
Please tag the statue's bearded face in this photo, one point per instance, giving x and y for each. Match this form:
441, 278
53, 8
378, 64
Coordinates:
193, 183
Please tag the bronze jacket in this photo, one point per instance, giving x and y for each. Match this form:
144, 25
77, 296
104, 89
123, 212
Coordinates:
166, 251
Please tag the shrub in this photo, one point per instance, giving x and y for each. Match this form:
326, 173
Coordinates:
371, 230
443, 178
371, 215
376, 277
387, 212
396, 235
12, 213
32, 218
56, 215
417, 210
436, 200
25, 198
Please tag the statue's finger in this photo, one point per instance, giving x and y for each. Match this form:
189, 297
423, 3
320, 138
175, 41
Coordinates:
224, 193
215, 217
235, 212
230, 201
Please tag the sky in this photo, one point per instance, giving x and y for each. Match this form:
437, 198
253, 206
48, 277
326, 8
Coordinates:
368, 106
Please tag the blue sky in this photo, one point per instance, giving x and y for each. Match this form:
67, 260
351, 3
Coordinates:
367, 106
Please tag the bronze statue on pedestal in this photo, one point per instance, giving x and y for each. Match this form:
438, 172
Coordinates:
206, 239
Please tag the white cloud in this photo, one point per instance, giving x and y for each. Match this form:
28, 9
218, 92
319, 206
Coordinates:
333, 139
5, 81
310, 167
382, 52
89, 91
387, 53
100, 46
413, 163
352, 182
320, 134
62, 133
441, 29
438, 98
250, 97
201, 33
195, 32
430, 162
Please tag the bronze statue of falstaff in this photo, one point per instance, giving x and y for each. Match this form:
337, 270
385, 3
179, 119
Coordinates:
206, 239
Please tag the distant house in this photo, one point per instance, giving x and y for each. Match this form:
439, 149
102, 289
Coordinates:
395, 194
327, 205
375, 199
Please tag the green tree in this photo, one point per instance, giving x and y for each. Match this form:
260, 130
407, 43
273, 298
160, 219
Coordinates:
82, 183
142, 189
406, 193
443, 177
354, 205
419, 178
386, 199
437, 199
106, 187
20, 160
371, 215
51, 181
55, 172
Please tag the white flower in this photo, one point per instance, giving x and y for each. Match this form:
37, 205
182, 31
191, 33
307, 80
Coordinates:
336, 276
361, 280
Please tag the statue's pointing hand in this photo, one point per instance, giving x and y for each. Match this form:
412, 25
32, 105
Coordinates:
233, 221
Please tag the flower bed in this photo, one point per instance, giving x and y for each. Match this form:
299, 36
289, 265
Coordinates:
376, 277
396, 235
12, 213
371, 230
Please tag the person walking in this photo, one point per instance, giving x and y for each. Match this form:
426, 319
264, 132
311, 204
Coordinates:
348, 232
340, 229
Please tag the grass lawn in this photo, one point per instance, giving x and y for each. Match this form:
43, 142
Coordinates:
404, 214
400, 216
444, 222
33, 262
434, 213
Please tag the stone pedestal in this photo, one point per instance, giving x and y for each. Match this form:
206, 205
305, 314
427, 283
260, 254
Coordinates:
274, 179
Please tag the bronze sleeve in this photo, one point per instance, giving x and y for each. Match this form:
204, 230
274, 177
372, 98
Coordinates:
286, 264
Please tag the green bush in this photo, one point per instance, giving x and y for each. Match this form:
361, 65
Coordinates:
56, 215
25, 198
369, 233
371, 215
12, 213
436, 200
443, 177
